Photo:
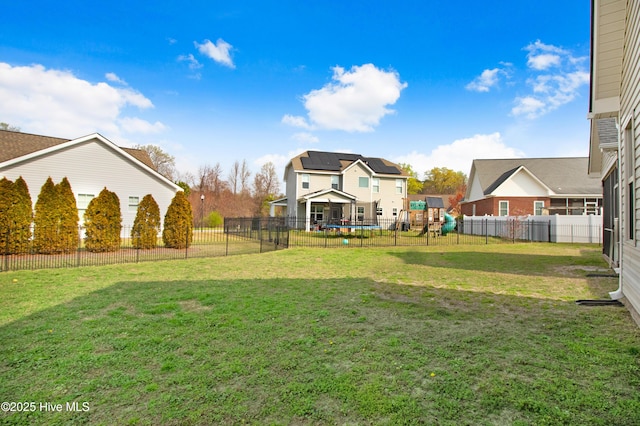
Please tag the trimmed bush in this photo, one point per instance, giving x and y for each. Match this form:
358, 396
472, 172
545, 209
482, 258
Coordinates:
68, 217
21, 216
56, 219
6, 202
45, 232
103, 222
214, 219
146, 226
178, 223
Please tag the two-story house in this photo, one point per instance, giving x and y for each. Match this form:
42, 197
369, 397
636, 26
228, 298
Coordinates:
331, 188
614, 150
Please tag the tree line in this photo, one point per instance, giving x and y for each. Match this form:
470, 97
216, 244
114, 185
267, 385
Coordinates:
52, 225
214, 194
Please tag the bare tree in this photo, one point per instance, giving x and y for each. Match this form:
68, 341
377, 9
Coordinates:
209, 179
245, 174
266, 186
234, 177
164, 163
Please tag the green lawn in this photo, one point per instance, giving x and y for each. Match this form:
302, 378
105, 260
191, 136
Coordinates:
449, 335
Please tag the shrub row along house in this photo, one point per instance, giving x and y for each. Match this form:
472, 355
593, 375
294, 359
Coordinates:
52, 226
330, 188
90, 163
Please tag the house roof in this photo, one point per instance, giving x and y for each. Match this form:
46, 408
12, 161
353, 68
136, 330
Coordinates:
563, 176
338, 161
18, 144
433, 200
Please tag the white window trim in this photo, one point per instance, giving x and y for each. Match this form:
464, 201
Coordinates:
500, 207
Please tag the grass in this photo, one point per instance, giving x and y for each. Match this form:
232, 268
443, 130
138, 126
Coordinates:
411, 335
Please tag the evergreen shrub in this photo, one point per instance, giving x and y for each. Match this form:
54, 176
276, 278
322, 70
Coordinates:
146, 226
103, 222
178, 223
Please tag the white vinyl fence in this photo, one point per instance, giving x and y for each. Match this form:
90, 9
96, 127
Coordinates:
551, 228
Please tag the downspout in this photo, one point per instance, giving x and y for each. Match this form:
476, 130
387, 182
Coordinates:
618, 294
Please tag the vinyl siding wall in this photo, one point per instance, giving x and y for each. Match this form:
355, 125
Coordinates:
90, 167
609, 24
630, 132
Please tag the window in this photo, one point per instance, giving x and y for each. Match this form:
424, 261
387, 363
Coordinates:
537, 207
375, 185
133, 203
305, 181
398, 186
395, 211
630, 178
379, 211
317, 213
503, 208
82, 202
363, 182
360, 213
335, 182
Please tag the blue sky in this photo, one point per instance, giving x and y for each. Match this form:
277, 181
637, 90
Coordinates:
429, 83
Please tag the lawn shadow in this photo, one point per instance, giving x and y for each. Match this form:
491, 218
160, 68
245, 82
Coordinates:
311, 351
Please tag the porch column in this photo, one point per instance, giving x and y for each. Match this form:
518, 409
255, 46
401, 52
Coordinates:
307, 215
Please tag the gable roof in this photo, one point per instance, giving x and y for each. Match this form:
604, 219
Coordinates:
17, 144
563, 176
339, 161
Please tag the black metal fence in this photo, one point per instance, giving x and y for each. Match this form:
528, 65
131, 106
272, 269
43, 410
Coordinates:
259, 235
236, 236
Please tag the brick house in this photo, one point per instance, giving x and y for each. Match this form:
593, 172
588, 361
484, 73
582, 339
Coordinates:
532, 186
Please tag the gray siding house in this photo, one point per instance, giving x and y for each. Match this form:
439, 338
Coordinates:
614, 111
90, 163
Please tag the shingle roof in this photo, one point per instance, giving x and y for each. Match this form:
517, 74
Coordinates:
17, 144
338, 161
562, 175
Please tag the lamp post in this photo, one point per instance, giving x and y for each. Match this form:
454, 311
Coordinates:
201, 211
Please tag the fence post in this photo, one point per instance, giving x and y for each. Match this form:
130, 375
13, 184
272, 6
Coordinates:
79, 245
486, 231
549, 231
186, 241
226, 231
6, 250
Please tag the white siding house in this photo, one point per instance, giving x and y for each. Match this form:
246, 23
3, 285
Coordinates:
90, 163
614, 112
329, 188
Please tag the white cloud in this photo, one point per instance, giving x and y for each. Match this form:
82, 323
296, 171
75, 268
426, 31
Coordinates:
219, 52
544, 56
57, 103
305, 137
484, 81
278, 160
460, 153
295, 121
191, 60
557, 78
529, 106
137, 125
355, 101
114, 78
